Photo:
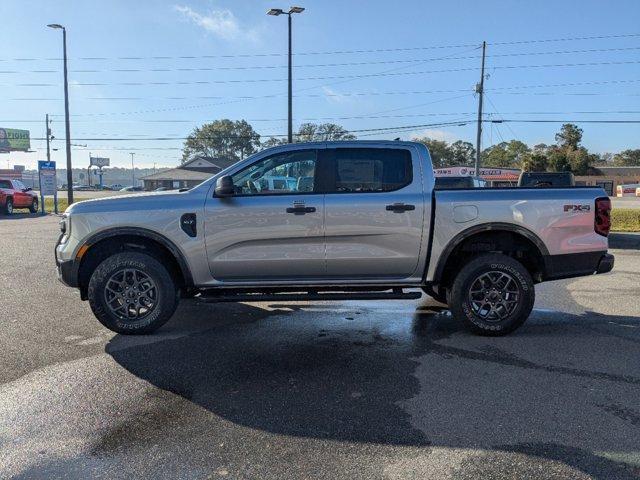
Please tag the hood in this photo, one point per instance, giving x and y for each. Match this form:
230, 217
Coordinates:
133, 201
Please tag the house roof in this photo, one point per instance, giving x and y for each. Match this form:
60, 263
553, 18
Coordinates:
207, 164
176, 174
198, 168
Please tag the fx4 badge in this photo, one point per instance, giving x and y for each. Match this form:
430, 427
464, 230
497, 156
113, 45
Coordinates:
577, 208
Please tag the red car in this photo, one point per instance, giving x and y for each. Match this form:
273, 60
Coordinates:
13, 194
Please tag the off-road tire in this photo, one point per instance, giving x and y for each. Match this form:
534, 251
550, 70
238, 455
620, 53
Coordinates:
439, 296
33, 208
470, 314
167, 296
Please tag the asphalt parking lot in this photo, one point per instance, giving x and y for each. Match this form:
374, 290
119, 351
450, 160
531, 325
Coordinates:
375, 389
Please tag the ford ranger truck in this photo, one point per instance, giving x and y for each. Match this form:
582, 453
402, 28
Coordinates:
353, 220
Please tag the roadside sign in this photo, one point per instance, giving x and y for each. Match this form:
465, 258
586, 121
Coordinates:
48, 183
99, 161
13, 140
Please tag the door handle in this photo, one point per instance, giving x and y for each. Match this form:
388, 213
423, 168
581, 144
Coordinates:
299, 210
400, 207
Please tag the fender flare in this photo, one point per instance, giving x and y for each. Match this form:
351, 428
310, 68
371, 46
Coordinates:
488, 227
143, 233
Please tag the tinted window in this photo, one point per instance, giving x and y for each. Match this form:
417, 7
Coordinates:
546, 180
371, 169
453, 182
290, 172
5, 184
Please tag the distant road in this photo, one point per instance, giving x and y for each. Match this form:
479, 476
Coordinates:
625, 202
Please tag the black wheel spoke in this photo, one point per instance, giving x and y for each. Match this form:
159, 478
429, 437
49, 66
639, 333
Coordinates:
494, 296
130, 294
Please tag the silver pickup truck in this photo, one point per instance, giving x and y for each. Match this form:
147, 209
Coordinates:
331, 221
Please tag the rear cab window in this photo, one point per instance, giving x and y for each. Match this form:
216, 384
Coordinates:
369, 170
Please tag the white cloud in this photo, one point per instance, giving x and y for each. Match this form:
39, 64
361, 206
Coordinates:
221, 23
441, 135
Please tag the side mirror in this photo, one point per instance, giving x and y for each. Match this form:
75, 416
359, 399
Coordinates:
224, 187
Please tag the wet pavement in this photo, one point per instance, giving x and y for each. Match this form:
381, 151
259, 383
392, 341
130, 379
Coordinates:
376, 389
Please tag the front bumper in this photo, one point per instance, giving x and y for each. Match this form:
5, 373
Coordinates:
67, 270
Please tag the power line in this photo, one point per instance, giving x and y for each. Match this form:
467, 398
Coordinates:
320, 65
496, 90
370, 75
334, 52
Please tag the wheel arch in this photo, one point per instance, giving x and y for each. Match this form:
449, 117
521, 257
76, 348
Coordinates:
519, 235
106, 242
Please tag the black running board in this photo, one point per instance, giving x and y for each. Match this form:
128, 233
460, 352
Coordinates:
208, 297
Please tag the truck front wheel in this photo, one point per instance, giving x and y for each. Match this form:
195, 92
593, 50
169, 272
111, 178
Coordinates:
493, 295
132, 293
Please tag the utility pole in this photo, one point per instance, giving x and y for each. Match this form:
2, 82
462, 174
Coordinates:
66, 112
133, 171
480, 92
290, 92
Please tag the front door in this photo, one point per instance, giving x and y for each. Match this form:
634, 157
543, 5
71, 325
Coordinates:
374, 213
273, 227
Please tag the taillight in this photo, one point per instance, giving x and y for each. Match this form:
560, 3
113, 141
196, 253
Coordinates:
602, 220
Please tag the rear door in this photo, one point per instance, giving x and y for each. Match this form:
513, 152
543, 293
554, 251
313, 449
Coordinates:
374, 212
273, 227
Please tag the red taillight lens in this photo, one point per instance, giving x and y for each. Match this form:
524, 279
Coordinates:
602, 220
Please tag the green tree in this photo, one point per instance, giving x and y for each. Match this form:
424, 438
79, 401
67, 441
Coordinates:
569, 136
441, 154
324, 132
504, 154
627, 158
558, 160
462, 153
580, 160
534, 162
221, 139
274, 142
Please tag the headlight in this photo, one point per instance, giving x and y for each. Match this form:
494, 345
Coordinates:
63, 224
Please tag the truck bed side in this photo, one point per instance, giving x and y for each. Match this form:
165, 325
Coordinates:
558, 221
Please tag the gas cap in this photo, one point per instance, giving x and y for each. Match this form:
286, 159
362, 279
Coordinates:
464, 213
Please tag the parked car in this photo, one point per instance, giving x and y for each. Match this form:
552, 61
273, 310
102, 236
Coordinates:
116, 187
371, 227
82, 188
131, 189
13, 194
546, 179
459, 182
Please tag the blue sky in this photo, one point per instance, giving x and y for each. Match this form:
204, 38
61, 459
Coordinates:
420, 65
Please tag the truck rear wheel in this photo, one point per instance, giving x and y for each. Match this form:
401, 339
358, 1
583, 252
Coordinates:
132, 293
492, 295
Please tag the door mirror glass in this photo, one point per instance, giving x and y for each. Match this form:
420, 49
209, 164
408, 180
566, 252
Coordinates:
224, 186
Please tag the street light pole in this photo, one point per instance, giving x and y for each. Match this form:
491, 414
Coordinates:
133, 171
48, 133
275, 12
66, 112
